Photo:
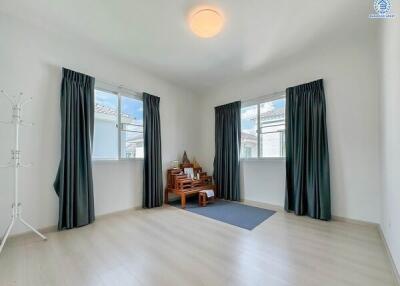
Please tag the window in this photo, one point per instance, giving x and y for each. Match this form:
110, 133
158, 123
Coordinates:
263, 128
249, 123
118, 126
131, 131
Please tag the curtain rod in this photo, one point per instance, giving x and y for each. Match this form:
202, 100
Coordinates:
271, 96
116, 86
274, 94
251, 101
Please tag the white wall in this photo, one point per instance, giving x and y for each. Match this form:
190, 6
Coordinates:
264, 181
31, 61
391, 133
349, 70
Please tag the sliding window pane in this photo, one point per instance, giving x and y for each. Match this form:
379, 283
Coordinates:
105, 143
131, 127
131, 144
272, 145
249, 132
272, 125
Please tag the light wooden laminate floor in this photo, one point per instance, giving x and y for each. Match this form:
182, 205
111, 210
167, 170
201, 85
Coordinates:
169, 246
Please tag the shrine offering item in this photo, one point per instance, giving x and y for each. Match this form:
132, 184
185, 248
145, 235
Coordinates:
205, 197
195, 163
185, 159
174, 164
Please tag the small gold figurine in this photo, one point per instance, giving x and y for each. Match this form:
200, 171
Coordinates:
185, 159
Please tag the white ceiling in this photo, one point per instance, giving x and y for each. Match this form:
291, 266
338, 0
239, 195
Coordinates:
154, 35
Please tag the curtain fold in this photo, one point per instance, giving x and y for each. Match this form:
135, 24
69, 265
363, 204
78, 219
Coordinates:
227, 151
307, 155
152, 165
74, 183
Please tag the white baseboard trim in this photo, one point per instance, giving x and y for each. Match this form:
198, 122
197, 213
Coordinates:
354, 221
264, 205
53, 228
42, 230
120, 212
394, 268
334, 218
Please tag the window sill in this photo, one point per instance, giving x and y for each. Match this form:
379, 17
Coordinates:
116, 160
272, 159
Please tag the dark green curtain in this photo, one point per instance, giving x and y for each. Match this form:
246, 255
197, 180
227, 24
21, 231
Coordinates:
74, 183
152, 172
307, 156
227, 151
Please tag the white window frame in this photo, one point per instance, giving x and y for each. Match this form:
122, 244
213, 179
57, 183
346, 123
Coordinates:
258, 101
119, 92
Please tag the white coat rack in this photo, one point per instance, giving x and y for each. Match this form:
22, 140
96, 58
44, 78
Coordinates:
15, 163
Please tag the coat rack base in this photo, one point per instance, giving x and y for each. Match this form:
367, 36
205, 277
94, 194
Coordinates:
16, 217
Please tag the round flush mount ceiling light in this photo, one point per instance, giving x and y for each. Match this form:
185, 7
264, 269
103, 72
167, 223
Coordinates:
206, 22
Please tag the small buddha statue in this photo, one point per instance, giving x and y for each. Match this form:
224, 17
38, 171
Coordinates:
185, 159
